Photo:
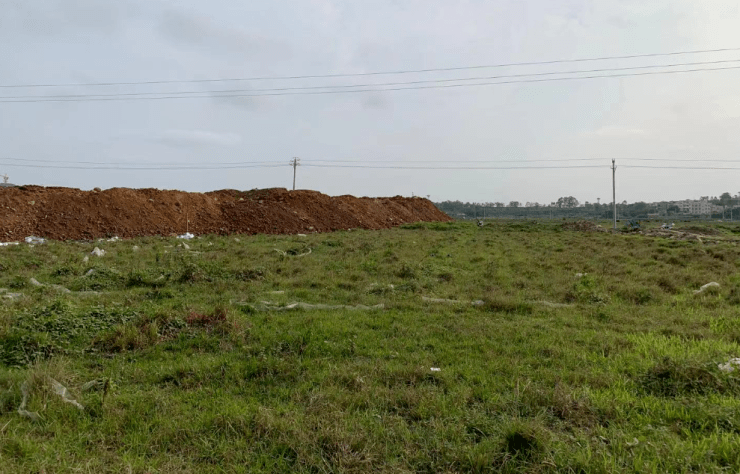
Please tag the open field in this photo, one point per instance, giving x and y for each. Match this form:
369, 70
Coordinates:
187, 359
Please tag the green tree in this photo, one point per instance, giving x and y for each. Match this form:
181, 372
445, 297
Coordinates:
567, 202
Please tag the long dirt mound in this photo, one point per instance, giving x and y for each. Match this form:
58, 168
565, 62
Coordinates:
67, 213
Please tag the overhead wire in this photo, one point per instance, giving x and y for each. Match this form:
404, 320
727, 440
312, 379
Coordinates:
437, 86
349, 86
364, 164
378, 73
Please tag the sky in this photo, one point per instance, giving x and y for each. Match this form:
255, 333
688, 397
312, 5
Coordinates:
690, 116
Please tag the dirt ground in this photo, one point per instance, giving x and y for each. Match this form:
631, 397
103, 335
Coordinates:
67, 213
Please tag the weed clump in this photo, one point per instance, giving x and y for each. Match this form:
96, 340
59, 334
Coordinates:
524, 441
670, 378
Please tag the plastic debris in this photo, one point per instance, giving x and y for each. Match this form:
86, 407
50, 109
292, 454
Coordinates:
114, 239
89, 272
300, 235
7, 244
32, 415
712, 284
445, 301
35, 282
269, 306
32, 239
581, 275
186, 236
286, 254
436, 369
10, 296
62, 391
86, 259
97, 252
185, 246
730, 365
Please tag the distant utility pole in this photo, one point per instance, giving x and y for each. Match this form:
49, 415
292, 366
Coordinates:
294, 163
5, 178
614, 192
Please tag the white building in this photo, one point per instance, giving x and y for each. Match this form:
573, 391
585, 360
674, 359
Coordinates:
698, 206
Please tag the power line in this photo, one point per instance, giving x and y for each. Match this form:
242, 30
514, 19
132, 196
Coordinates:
137, 163
121, 168
681, 167
348, 163
455, 167
379, 73
349, 86
441, 86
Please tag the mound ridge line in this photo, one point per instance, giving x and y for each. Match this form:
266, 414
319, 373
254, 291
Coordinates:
67, 213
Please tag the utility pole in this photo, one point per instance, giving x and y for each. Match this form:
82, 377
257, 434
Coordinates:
294, 163
614, 192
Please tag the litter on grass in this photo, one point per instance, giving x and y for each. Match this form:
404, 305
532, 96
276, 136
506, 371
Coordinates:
32, 239
712, 284
32, 415
286, 254
730, 366
97, 252
186, 236
269, 306
436, 369
35, 282
7, 244
62, 391
445, 301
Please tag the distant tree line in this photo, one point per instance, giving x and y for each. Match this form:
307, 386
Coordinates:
570, 207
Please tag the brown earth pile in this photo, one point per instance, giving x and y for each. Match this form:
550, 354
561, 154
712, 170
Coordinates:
66, 213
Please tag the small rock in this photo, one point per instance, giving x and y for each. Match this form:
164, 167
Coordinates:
185, 246
135, 248
35, 282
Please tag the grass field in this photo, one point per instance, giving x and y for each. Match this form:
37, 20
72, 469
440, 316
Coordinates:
187, 360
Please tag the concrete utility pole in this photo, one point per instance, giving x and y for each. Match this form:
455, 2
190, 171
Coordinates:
294, 163
614, 192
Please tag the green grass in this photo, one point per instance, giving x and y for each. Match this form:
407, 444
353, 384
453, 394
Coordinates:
179, 369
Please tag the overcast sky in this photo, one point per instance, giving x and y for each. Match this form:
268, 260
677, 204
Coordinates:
675, 116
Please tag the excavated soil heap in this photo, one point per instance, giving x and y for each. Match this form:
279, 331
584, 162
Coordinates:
66, 213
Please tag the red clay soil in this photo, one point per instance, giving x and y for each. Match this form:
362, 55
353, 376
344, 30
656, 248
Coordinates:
66, 213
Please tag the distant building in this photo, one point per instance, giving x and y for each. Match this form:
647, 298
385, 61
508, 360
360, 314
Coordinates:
700, 206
